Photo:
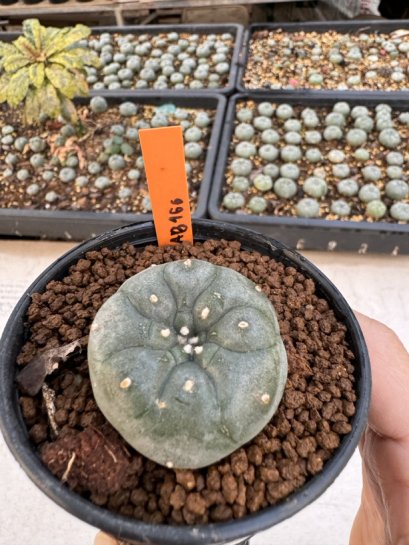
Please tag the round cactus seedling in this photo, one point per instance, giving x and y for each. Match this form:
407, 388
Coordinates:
365, 123
336, 156
37, 160
335, 118
244, 115
313, 155
240, 183
285, 188
265, 109
341, 170
333, 132
372, 173
361, 154
315, 187
312, 137
241, 167
67, 175
245, 149
395, 158
376, 209
340, 208
22, 174
51, 196
369, 192
233, 200
292, 137
291, 154
257, 204
37, 144
290, 170
262, 123
153, 367
20, 143
263, 182
400, 211
390, 138
348, 187
244, 131
128, 109
342, 108
397, 190
284, 111
33, 189
270, 136
116, 162
193, 150
268, 152
394, 172
98, 105
102, 182
307, 208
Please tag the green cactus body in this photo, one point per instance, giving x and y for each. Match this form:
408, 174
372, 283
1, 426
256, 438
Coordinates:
187, 362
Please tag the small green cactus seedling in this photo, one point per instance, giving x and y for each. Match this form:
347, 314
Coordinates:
186, 362
45, 69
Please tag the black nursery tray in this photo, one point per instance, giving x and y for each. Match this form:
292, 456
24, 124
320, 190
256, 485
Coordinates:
353, 27
310, 234
81, 225
235, 29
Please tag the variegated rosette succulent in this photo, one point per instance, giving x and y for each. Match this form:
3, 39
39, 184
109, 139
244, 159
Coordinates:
45, 69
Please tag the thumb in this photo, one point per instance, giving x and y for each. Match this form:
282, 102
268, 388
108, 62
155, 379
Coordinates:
105, 539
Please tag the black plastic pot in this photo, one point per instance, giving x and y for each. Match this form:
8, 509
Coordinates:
234, 532
81, 225
310, 234
356, 27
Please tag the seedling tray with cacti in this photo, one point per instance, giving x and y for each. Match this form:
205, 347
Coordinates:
154, 58
355, 56
60, 181
318, 174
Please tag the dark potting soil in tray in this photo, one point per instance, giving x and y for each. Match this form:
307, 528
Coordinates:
84, 451
87, 144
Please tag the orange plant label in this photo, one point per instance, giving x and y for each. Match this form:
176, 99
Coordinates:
164, 160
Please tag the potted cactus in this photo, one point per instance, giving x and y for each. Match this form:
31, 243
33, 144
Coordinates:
196, 334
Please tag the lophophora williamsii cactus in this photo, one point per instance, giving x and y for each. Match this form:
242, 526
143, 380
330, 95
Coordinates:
187, 362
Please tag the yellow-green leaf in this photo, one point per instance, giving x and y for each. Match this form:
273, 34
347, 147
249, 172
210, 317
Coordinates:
50, 34
49, 101
76, 58
7, 49
27, 48
4, 85
68, 110
15, 61
36, 73
64, 40
18, 87
34, 32
32, 110
63, 80
82, 85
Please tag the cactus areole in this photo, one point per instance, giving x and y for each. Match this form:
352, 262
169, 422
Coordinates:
187, 362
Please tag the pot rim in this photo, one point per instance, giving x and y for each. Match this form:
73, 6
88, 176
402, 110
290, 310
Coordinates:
15, 433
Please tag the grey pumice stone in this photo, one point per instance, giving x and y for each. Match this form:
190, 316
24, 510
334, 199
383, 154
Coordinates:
186, 362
